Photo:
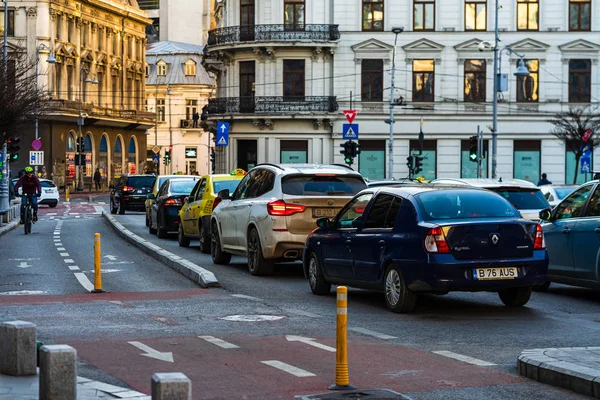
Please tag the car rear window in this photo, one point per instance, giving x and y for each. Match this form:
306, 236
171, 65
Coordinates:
140, 181
47, 184
231, 185
459, 204
321, 185
184, 187
523, 198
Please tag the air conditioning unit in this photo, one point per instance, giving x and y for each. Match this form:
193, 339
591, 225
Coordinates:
184, 123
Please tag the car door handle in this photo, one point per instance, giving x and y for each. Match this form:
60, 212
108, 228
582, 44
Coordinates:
348, 243
566, 231
381, 243
597, 230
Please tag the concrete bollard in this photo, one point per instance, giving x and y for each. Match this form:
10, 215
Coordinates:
18, 354
58, 372
171, 386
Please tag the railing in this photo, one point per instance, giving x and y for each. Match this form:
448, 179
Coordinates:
189, 124
94, 111
273, 33
149, 4
272, 104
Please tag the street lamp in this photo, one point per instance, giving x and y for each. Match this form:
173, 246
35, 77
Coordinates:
80, 153
170, 133
391, 121
51, 60
521, 71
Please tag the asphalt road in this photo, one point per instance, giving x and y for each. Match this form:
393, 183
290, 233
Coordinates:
150, 314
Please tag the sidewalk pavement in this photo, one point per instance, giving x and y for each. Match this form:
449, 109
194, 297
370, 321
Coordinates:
27, 388
573, 368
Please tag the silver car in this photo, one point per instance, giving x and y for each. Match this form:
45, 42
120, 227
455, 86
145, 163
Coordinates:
555, 193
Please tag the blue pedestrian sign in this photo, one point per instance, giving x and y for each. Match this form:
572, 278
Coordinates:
350, 131
155, 159
222, 134
586, 165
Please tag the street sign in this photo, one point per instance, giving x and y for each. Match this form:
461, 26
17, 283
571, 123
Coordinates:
36, 144
350, 131
350, 115
586, 165
155, 159
155, 149
586, 135
222, 138
36, 158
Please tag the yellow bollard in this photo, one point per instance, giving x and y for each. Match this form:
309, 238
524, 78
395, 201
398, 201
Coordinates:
342, 381
97, 267
67, 194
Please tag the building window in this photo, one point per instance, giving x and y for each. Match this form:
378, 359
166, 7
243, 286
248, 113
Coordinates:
580, 81
191, 106
428, 152
371, 160
10, 31
161, 68
580, 15
293, 79
476, 15
372, 80
293, 151
71, 30
527, 160
372, 15
527, 86
468, 168
423, 79
160, 108
424, 15
528, 15
475, 80
190, 68
293, 14
147, 70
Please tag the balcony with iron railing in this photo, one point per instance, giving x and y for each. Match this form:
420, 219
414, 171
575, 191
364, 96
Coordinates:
272, 105
149, 4
311, 33
93, 111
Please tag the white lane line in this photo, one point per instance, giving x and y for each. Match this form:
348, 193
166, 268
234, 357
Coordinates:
60, 249
218, 342
98, 210
101, 202
64, 254
68, 261
301, 312
243, 296
290, 369
22, 293
73, 267
56, 240
85, 282
58, 244
460, 357
369, 332
104, 271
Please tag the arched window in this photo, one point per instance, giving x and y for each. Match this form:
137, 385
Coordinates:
103, 158
87, 147
190, 68
118, 157
131, 157
161, 68
70, 142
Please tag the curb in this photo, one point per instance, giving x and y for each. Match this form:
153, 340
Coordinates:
7, 227
196, 273
538, 365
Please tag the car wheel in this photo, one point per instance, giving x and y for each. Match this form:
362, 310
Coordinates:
181, 238
515, 297
218, 255
52, 205
151, 230
121, 208
257, 264
204, 239
161, 231
398, 297
542, 288
318, 284
113, 208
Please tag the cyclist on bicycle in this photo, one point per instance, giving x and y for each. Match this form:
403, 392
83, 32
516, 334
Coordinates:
31, 186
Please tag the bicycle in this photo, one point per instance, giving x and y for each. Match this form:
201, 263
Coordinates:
27, 212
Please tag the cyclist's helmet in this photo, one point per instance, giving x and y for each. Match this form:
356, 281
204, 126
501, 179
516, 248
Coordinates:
28, 170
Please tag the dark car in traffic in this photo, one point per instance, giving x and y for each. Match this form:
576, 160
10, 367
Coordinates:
423, 238
129, 192
164, 212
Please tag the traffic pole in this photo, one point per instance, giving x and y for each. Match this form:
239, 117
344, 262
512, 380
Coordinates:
67, 194
97, 266
342, 380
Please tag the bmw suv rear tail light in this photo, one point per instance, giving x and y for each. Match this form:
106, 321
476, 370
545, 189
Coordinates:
282, 209
435, 241
539, 243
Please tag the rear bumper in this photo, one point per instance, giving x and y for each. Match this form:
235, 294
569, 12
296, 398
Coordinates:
171, 219
441, 276
284, 245
133, 203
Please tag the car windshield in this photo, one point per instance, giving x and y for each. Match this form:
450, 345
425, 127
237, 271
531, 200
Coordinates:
229, 184
182, 186
459, 204
523, 198
140, 181
562, 192
322, 185
47, 184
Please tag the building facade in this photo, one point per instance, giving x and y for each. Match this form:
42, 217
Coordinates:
178, 20
177, 87
97, 76
286, 70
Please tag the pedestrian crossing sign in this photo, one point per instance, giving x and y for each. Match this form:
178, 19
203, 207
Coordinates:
350, 131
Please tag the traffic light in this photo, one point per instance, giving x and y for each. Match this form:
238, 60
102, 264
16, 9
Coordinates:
409, 163
12, 147
355, 149
347, 152
473, 148
80, 144
418, 164
213, 162
167, 157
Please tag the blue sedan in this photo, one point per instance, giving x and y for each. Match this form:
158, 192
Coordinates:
410, 239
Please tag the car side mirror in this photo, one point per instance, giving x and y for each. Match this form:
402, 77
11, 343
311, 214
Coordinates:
223, 194
546, 214
150, 196
323, 222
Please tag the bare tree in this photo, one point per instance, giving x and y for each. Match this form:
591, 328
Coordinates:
19, 98
577, 128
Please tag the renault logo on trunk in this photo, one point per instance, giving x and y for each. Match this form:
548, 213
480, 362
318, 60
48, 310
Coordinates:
495, 238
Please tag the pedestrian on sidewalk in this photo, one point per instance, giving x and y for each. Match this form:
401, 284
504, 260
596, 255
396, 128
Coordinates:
97, 178
544, 180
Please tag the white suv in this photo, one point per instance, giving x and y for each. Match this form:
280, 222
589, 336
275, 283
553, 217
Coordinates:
274, 208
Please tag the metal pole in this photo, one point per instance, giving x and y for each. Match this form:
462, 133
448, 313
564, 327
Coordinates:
6, 39
78, 171
479, 151
495, 99
170, 134
4, 185
391, 121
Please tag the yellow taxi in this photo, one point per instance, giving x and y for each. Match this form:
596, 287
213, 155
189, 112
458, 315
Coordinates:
155, 187
195, 214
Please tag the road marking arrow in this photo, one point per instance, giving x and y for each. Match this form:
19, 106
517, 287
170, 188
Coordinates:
111, 258
150, 352
292, 338
24, 264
